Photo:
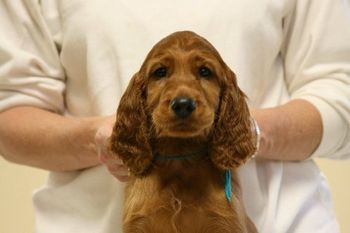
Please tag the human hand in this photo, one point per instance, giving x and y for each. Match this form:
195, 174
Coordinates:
113, 163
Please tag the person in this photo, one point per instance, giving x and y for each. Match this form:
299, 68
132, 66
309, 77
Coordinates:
65, 64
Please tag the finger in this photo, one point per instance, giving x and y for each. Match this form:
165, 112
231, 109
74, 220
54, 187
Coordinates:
109, 158
120, 172
123, 178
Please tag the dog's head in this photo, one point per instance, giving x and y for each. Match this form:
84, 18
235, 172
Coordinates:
183, 90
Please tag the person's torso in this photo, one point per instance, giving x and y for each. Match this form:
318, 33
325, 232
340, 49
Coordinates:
103, 43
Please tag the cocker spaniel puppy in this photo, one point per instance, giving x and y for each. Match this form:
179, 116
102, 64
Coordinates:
182, 129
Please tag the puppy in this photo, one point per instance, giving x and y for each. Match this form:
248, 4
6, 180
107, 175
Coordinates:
182, 128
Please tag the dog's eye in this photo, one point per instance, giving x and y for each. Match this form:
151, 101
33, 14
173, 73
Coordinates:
161, 72
204, 72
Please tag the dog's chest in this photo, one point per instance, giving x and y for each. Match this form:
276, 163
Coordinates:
175, 211
179, 216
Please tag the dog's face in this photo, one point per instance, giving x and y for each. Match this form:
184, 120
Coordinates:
183, 87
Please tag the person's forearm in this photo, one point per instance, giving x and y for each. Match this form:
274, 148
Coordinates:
35, 137
289, 132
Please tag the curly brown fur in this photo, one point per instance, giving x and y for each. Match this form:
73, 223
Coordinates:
130, 138
183, 195
231, 144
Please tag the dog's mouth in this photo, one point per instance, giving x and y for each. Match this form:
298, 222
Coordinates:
183, 128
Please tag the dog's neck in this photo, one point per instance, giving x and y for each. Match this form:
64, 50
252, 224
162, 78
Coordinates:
167, 148
187, 178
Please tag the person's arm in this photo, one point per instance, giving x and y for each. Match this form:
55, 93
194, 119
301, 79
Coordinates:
31, 75
33, 130
316, 60
39, 138
288, 132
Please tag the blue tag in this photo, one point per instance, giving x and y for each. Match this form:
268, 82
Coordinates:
228, 186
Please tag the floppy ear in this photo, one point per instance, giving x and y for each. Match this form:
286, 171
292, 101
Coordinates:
232, 142
130, 138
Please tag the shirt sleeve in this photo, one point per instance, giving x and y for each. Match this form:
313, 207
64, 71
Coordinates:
30, 70
317, 67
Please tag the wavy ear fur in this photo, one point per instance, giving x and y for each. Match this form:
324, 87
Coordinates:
232, 142
130, 138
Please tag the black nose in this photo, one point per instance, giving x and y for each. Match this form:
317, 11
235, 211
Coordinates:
183, 106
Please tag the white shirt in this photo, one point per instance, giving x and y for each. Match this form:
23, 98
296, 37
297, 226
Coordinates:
76, 57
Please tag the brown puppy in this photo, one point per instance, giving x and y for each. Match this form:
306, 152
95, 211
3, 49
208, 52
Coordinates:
182, 124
